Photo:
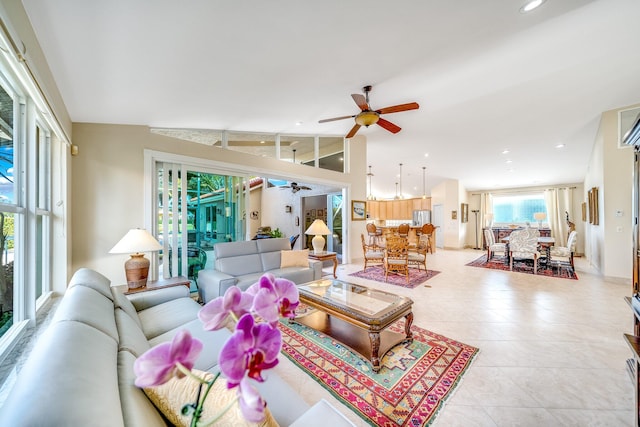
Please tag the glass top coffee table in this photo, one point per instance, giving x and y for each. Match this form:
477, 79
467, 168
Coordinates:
356, 316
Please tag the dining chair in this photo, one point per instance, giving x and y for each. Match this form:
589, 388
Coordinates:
523, 244
492, 245
374, 233
372, 253
396, 257
418, 255
426, 233
403, 230
563, 255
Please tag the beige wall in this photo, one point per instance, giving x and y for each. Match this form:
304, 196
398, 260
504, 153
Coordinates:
108, 185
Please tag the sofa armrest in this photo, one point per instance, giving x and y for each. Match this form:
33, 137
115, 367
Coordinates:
144, 300
213, 283
316, 266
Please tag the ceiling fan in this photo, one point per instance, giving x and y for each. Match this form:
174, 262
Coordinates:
368, 117
295, 187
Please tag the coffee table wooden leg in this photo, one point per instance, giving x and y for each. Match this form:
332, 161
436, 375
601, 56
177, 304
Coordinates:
374, 337
335, 266
408, 321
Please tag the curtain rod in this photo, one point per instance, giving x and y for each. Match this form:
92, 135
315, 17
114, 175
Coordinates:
524, 191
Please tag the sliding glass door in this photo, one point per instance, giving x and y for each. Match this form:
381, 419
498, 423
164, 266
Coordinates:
195, 209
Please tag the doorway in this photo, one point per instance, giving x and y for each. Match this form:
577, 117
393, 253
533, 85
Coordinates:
438, 221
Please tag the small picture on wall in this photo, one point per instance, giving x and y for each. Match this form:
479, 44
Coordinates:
464, 212
255, 215
358, 210
454, 214
584, 211
308, 214
313, 213
297, 221
320, 213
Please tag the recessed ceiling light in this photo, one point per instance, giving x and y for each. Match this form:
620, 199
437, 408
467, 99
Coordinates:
341, 159
426, 154
261, 142
298, 123
505, 151
508, 161
530, 5
560, 146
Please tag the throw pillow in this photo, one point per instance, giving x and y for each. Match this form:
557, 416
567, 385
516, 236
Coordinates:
170, 397
294, 258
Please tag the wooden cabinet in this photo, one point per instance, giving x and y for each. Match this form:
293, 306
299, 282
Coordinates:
396, 209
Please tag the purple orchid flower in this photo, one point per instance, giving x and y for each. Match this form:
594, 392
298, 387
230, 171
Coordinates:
157, 365
251, 403
251, 349
215, 313
274, 297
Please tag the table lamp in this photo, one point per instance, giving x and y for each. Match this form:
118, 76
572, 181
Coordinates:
318, 228
540, 216
136, 268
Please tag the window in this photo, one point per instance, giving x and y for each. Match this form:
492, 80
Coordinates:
517, 208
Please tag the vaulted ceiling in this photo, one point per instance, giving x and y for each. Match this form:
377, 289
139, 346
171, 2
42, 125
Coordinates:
488, 78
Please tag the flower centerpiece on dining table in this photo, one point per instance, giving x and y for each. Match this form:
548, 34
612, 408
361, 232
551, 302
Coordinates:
253, 347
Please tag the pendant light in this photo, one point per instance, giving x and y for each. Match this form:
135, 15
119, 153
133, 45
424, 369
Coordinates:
370, 188
396, 192
424, 192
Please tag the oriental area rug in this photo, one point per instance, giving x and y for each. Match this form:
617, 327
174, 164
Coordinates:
416, 277
524, 266
415, 380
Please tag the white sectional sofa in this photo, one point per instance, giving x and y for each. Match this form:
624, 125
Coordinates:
80, 372
242, 263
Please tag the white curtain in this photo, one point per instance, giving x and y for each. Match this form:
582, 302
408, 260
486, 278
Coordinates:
486, 208
559, 202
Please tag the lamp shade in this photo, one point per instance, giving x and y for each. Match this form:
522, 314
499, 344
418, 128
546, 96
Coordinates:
136, 268
135, 241
540, 216
318, 228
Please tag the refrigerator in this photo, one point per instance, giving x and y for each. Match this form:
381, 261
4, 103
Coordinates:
421, 217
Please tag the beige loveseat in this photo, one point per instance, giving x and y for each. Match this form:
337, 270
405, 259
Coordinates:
80, 372
242, 263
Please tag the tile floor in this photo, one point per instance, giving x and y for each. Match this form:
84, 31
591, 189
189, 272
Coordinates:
551, 350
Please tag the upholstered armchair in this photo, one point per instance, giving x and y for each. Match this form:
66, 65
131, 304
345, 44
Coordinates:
372, 253
492, 245
523, 244
396, 257
564, 254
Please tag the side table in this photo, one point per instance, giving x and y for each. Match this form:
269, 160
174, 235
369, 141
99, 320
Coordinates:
326, 256
161, 283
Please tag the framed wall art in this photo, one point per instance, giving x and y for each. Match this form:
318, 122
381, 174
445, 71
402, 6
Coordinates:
464, 212
358, 210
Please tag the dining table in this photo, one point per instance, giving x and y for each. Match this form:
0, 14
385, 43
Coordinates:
543, 241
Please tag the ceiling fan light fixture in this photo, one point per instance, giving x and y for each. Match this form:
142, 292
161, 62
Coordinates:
367, 118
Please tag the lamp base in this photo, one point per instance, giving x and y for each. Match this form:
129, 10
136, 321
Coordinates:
136, 269
318, 244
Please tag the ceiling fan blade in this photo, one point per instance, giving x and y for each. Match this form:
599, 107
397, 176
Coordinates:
398, 108
353, 131
388, 125
361, 101
336, 118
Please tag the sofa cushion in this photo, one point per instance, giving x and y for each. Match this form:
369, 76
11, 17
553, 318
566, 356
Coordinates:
294, 258
164, 317
132, 338
233, 249
122, 302
86, 305
248, 279
137, 409
69, 359
91, 279
297, 275
171, 396
239, 265
269, 250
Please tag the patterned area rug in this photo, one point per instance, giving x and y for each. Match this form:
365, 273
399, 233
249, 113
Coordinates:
410, 389
498, 263
416, 277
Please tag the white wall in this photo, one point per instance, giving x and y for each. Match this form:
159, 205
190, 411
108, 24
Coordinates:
108, 185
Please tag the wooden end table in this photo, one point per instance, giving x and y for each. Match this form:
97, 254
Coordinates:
159, 284
326, 256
